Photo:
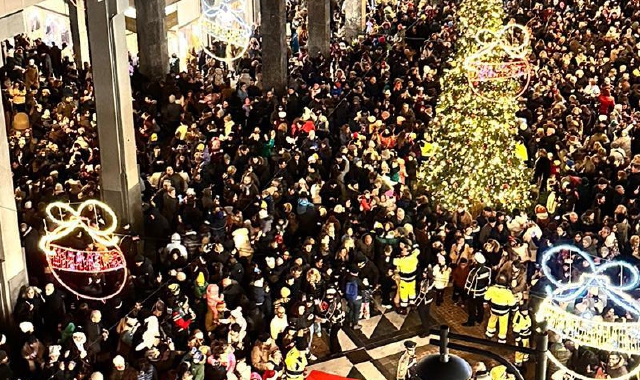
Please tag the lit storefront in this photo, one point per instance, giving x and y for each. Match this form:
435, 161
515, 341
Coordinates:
47, 20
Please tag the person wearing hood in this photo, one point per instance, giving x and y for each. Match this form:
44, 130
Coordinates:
143, 274
176, 243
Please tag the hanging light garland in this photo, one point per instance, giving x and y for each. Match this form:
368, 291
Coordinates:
501, 58
104, 255
225, 34
584, 329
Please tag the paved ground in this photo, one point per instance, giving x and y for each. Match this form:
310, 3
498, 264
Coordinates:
372, 353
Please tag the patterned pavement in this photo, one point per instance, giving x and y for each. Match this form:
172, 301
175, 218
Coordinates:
372, 353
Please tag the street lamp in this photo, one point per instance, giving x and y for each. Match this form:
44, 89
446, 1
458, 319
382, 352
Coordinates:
450, 367
443, 365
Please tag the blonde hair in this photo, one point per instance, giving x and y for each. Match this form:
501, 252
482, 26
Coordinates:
313, 276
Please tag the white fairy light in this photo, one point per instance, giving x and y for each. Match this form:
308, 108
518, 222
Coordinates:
583, 329
65, 259
224, 23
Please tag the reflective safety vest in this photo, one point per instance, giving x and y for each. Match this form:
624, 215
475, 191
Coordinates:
501, 299
522, 325
407, 266
295, 364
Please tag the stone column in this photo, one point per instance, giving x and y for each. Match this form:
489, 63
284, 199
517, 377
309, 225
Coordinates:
274, 45
152, 38
319, 22
13, 272
120, 180
355, 12
74, 24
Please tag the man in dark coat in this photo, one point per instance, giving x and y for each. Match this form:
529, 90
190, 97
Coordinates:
55, 310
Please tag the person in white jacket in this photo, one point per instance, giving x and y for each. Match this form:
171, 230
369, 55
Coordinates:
441, 275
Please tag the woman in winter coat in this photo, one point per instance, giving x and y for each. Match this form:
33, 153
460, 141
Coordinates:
441, 275
214, 299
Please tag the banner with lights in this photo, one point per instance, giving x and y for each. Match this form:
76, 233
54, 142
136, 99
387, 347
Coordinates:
225, 33
500, 66
583, 326
82, 251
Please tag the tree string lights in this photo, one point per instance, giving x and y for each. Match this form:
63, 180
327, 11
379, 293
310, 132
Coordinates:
473, 159
225, 34
584, 329
102, 256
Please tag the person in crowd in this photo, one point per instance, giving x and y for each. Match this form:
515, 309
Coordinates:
259, 203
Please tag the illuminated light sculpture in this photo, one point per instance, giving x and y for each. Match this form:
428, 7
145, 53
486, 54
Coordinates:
502, 57
225, 34
609, 336
103, 255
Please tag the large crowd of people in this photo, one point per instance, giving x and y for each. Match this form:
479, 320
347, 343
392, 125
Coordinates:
274, 220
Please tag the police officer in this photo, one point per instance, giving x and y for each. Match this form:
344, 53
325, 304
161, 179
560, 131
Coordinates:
478, 281
425, 298
407, 361
522, 332
502, 301
407, 266
296, 361
332, 313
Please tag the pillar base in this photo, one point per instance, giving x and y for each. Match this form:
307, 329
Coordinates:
10, 292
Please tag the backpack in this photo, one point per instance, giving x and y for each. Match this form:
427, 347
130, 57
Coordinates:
351, 290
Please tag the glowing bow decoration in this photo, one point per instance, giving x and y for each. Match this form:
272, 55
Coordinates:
104, 257
510, 44
224, 24
609, 336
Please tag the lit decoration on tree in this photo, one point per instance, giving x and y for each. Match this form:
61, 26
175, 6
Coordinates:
101, 265
584, 329
225, 34
473, 159
500, 63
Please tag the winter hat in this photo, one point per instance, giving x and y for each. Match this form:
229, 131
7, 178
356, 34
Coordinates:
119, 363
479, 258
200, 279
237, 313
55, 350
541, 212
26, 327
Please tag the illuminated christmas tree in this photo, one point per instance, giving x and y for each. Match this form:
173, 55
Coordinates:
473, 158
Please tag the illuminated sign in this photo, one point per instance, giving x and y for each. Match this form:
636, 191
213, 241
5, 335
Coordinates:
78, 269
584, 329
500, 66
225, 34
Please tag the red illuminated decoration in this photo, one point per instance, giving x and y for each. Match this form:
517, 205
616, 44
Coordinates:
98, 271
500, 67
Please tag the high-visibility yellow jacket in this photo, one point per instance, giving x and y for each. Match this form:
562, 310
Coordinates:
295, 364
407, 266
522, 325
501, 299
